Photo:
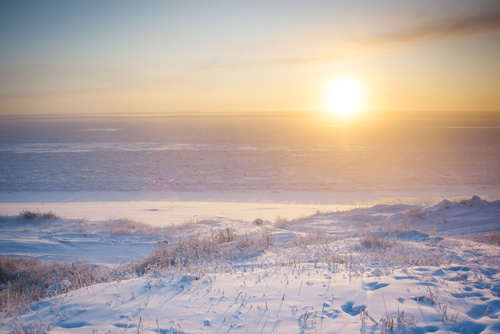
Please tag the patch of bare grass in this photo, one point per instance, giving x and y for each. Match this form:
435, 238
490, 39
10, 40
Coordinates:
489, 238
416, 212
30, 215
372, 241
127, 226
218, 247
25, 281
281, 222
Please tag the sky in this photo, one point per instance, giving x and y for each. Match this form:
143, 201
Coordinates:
104, 57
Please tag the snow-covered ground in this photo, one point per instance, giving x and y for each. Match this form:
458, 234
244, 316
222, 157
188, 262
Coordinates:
176, 210
399, 268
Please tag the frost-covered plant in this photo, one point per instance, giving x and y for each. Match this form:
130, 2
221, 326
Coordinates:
225, 235
373, 241
390, 324
215, 248
281, 222
24, 281
258, 222
416, 212
256, 242
312, 238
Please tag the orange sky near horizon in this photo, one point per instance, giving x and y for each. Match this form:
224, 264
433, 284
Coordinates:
92, 57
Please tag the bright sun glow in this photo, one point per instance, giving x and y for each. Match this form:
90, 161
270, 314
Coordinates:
345, 97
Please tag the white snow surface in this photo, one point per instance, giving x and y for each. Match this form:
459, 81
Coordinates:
397, 268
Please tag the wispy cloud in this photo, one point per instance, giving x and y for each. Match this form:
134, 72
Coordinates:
372, 44
451, 27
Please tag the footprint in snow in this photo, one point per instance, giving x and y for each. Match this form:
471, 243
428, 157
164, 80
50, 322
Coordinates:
332, 314
467, 294
71, 325
457, 268
487, 310
372, 286
120, 325
468, 327
440, 272
426, 329
352, 310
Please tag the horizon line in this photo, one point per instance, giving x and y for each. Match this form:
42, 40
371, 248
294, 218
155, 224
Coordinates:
202, 114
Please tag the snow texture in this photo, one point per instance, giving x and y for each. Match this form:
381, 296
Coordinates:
383, 269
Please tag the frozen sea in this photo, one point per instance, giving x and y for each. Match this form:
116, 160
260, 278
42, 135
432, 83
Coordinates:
417, 154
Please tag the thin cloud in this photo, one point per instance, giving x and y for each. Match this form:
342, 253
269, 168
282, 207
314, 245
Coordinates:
427, 31
441, 29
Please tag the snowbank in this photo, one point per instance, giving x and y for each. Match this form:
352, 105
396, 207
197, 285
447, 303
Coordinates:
384, 269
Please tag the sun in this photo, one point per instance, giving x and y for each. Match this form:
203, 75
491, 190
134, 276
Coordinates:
345, 97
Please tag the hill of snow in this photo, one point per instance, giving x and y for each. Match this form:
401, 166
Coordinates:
385, 269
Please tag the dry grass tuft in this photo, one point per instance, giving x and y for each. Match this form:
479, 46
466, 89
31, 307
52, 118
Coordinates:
25, 281
416, 212
490, 238
372, 241
281, 222
127, 226
218, 247
30, 215
312, 238
258, 222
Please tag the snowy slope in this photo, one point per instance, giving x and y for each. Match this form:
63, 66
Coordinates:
384, 269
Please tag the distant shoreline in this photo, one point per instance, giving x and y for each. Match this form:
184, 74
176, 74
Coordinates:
237, 196
174, 208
